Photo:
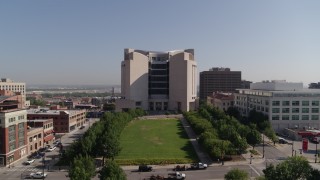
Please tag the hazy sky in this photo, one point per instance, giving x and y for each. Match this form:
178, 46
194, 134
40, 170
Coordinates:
82, 42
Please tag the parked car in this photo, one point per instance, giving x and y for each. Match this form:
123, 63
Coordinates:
51, 149
198, 166
29, 161
282, 141
38, 175
145, 168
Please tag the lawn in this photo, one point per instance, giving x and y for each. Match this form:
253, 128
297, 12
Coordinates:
160, 141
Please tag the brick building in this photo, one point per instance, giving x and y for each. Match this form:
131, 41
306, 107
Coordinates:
35, 139
64, 121
13, 128
47, 127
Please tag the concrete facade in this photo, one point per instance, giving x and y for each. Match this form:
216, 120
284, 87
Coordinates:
17, 87
158, 81
287, 105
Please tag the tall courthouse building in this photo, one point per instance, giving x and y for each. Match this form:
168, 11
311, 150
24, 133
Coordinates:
158, 81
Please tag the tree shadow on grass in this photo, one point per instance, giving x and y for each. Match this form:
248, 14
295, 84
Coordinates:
191, 153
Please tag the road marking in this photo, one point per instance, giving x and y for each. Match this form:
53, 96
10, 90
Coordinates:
254, 170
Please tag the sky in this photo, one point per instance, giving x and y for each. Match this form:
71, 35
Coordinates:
82, 42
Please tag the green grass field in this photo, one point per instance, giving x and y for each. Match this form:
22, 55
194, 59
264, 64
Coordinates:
161, 141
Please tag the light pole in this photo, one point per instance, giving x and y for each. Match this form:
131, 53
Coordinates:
315, 156
262, 145
292, 147
43, 160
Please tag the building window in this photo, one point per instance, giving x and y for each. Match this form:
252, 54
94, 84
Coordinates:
305, 110
39, 135
12, 146
275, 117
295, 110
275, 110
285, 110
314, 117
21, 142
275, 103
315, 103
315, 110
285, 103
295, 117
305, 117
295, 103
30, 139
285, 117
138, 103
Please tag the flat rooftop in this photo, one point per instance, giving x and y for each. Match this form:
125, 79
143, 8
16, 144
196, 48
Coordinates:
52, 112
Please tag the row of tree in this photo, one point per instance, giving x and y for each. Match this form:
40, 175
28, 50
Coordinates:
294, 168
222, 134
102, 139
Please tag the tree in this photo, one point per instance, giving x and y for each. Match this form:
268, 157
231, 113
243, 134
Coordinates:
233, 111
112, 171
108, 145
82, 168
236, 174
254, 138
293, 168
269, 132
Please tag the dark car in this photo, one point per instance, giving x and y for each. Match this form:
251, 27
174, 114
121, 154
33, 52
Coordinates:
145, 168
282, 141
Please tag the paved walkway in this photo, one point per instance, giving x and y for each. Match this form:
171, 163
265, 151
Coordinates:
203, 156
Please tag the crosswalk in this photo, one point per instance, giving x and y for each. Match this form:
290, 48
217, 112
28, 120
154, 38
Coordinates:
276, 161
24, 168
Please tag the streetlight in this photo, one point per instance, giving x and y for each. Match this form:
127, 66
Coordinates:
292, 147
315, 156
263, 146
43, 161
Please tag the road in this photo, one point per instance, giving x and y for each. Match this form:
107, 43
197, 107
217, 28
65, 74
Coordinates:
215, 172
19, 170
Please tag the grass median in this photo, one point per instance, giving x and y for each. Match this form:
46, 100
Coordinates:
158, 141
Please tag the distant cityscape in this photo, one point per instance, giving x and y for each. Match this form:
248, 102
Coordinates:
33, 118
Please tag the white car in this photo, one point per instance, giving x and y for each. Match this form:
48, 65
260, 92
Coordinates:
38, 175
29, 161
51, 149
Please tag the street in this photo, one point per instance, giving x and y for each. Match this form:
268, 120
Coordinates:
19, 171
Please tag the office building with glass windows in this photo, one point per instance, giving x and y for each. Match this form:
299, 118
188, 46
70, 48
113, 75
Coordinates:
287, 105
158, 81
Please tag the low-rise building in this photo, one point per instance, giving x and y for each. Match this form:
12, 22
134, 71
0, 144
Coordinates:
64, 121
221, 100
47, 126
35, 139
